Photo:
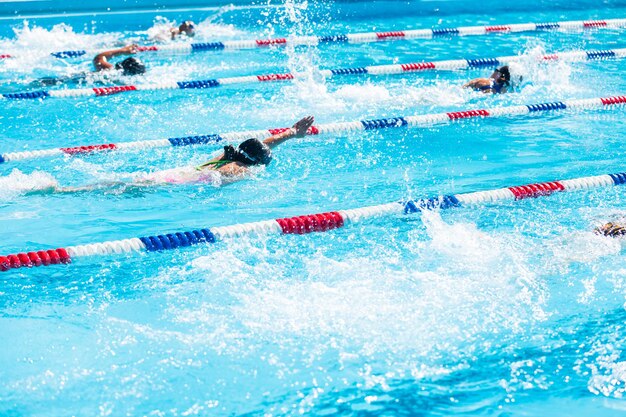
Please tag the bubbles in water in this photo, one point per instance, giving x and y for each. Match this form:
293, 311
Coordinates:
539, 77
584, 247
161, 30
18, 183
207, 30
33, 44
608, 371
372, 301
366, 93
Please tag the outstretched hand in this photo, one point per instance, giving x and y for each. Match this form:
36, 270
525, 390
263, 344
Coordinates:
302, 126
130, 49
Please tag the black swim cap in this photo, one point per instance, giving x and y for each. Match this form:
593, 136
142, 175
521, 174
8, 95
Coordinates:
249, 152
131, 66
505, 71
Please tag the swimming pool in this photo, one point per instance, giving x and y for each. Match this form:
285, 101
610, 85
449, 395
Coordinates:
509, 308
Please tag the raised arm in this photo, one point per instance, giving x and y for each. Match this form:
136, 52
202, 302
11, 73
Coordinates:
101, 60
298, 130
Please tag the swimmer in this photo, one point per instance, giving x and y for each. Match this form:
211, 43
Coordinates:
232, 165
611, 230
497, 83
164, 33
129, 66
187, 27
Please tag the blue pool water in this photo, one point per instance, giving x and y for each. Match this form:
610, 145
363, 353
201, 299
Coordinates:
508, 309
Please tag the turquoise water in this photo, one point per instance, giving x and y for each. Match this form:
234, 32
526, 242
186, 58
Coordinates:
509, 309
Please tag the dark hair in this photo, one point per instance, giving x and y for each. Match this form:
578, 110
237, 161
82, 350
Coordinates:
505, 72
188, 27
249, 152
131, 66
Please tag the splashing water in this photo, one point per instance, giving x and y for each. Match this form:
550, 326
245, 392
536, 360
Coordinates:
205, 30
33, 44
538, 77
19, 183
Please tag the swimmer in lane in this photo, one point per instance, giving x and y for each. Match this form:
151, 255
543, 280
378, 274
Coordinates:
232, 165
129, 66
187, 27
166, 33
611, 230
498, 82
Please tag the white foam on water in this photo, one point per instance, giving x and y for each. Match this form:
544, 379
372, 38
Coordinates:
60, 37
367, 93
160, 30
361, 100
442, 94
205, 30
32, 46
381, 304
540, 78
584, 247
309, 92
608, 371
108, 177
208, 30
18, 182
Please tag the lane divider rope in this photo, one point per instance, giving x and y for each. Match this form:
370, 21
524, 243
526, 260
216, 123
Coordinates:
187, 48
395, 69
320, 222
334, 128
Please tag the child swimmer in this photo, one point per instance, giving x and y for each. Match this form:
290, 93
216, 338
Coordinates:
232, 165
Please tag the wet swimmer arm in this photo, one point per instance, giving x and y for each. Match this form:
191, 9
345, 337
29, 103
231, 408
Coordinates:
479, 84
298, 130
101, 61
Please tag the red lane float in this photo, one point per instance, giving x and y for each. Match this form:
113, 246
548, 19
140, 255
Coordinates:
613, 100
269, 42
419, 66
30, 259
107, 91
536, 190
467, 114
147, 48
594, 24
275, 77
385, 35
497, 28
311, 223
310, 131
89, 149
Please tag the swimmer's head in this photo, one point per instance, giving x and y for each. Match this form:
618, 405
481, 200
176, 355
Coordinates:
502, 74
249, 152
611, 230
131, 66
188, 28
